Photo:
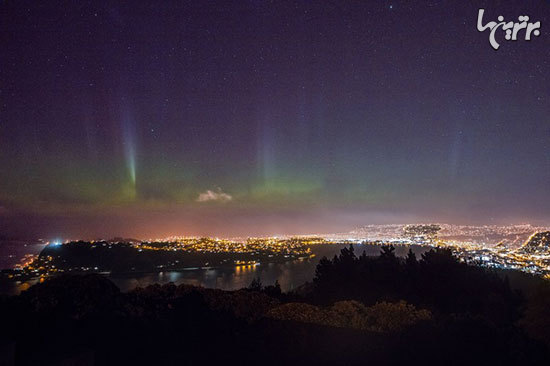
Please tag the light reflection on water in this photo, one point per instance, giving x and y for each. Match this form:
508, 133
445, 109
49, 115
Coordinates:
289, 274
12, 251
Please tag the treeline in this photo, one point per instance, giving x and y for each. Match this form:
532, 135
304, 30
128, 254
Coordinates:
437, 281
382, 310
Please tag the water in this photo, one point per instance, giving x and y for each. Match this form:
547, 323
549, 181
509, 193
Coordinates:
12, 251
289, 274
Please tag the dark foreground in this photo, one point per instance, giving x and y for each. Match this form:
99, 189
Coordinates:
359, 310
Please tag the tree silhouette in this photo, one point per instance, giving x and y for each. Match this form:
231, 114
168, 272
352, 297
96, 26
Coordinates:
273, 290
256, 284
410, 259
387, 252
437, 281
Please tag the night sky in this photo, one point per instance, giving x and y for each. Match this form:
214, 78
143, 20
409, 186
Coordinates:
257, 117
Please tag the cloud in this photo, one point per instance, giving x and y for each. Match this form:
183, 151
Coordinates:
217, 195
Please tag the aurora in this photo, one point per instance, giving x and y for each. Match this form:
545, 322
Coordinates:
263, 118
